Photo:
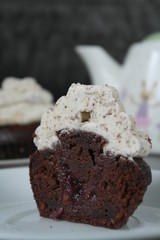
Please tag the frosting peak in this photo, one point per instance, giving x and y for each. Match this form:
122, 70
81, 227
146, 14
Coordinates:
97, 109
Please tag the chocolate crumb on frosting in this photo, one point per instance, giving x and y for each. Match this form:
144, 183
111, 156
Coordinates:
95, 109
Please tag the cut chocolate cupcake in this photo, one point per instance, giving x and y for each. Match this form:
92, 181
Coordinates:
89, 171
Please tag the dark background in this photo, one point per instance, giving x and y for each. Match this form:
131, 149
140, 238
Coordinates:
37, 37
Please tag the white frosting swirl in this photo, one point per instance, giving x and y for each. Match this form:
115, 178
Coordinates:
95, 109
22, 101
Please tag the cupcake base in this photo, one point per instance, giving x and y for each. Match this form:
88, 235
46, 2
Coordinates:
16, 141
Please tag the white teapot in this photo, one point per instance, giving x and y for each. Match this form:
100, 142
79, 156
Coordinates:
138, 81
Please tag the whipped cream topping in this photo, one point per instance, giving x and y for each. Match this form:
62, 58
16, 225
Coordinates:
22, 101
94, 109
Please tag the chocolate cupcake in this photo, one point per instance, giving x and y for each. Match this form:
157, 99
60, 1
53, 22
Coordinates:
22, 102
89, 166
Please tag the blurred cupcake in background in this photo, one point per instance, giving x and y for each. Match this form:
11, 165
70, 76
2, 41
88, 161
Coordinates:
22, 102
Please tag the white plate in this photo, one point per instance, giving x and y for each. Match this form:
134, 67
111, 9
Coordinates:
22, 221
19, 217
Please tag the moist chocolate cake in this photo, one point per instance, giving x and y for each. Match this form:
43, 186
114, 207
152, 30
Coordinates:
79, 174
22, 102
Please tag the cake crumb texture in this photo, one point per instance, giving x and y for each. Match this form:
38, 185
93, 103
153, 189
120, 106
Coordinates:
76, 181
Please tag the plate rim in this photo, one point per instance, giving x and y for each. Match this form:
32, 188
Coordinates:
138, 232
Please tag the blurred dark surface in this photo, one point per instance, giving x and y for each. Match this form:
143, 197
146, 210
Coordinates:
37, 37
